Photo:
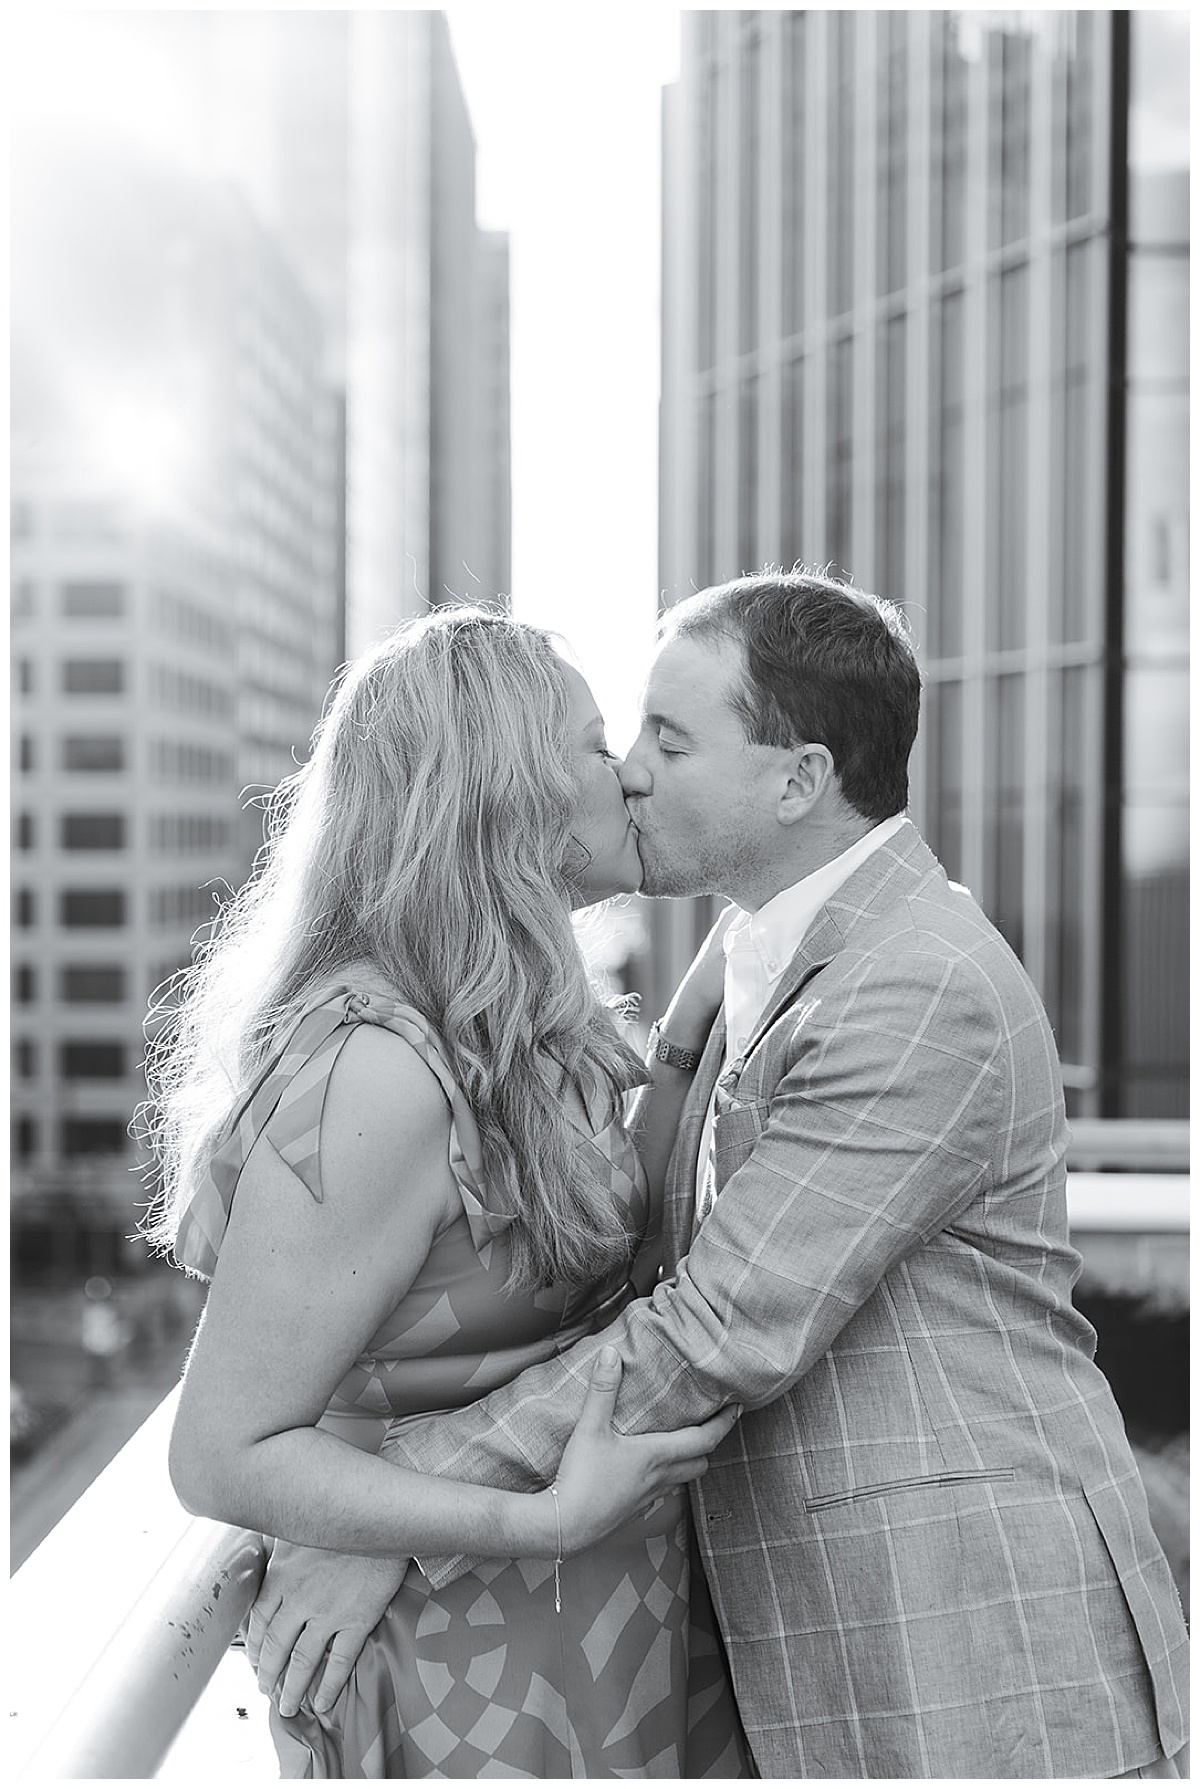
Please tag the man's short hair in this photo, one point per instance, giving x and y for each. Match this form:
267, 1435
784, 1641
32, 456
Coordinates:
826, 664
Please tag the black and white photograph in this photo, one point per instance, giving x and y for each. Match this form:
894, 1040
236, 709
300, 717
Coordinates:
599, 853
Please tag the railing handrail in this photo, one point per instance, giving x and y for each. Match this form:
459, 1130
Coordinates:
1130, 1144
122, 1616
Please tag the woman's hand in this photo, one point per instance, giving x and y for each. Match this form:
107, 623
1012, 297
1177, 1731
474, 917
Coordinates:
604, 1477
311, 1619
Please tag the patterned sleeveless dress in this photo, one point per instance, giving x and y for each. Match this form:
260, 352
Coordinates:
487, 1678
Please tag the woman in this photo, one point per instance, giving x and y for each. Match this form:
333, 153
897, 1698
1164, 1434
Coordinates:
393, 1056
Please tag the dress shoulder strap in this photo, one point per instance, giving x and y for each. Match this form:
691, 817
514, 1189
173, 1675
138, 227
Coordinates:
287, 1102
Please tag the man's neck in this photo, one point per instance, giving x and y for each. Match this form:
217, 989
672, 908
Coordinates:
810, 854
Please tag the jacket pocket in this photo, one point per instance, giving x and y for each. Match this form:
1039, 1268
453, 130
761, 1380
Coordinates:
983, 1475
739, 1124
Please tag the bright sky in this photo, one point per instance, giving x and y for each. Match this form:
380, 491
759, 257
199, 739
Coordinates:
566, 105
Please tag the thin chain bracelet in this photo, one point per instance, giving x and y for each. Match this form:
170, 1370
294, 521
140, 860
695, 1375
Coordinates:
558, 1521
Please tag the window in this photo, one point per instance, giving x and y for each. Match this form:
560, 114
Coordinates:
793, 462
24, 1138
94, 751
25, 676
25, 984
748, 195
92, 1136
93, 676
24, 600
91, 599
180, 906
94, 984
92, 907
26, 755
25, 906
91, 1059
92, 832
26, 832
25, 1057
794, 27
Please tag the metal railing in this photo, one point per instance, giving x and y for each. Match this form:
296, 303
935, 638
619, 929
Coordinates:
119, 1619
122, 1616
1137, 1145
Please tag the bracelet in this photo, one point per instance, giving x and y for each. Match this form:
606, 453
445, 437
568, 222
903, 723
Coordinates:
658, 1049
558, 1522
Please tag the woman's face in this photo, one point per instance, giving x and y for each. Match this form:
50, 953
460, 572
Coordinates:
602, 858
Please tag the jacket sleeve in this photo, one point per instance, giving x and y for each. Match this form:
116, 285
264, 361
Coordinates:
880, 1133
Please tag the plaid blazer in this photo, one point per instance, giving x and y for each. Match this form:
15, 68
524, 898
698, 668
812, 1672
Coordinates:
927, 1539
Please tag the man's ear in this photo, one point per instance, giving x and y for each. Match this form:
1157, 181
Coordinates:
810, 776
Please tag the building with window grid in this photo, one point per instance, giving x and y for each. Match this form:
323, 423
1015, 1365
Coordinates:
924, 318
174, 612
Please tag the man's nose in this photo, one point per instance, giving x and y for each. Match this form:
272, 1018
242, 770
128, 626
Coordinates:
635, 776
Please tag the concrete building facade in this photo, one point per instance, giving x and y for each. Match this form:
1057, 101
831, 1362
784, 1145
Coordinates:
923, 321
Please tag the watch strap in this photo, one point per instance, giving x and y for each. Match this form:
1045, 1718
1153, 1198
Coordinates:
660, 1049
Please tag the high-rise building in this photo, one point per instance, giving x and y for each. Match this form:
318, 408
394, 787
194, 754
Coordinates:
174, 614
924, 318
363, 164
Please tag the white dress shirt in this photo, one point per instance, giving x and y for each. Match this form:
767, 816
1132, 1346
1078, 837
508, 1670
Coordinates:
758, 948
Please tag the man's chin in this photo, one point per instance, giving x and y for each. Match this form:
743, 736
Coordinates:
659, 884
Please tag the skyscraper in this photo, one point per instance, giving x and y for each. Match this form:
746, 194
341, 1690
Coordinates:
363, 164
259, 415
174, 607
923, 319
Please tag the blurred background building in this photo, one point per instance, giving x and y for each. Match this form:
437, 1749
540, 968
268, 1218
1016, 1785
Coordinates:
363, 161
925, 317
260, 412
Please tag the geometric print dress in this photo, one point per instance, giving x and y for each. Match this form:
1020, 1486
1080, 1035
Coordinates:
488, 1678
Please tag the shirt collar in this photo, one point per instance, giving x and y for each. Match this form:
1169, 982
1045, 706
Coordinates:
775, 933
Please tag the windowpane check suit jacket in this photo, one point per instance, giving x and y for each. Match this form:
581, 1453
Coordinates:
927, 1540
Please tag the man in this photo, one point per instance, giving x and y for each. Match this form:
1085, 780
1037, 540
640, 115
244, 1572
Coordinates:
927, 1540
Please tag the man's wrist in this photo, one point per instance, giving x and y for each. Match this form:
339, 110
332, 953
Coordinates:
661, 1048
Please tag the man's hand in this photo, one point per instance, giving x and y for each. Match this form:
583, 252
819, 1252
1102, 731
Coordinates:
311, 1618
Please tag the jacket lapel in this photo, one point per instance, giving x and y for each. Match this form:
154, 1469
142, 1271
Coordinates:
879, 883
680, 1201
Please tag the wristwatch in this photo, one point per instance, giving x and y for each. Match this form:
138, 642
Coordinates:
658, 1049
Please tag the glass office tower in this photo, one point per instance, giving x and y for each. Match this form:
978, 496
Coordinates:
924, 307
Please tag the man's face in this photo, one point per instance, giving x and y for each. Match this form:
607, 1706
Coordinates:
703, 798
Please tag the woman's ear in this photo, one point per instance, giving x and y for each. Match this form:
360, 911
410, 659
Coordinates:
576, 859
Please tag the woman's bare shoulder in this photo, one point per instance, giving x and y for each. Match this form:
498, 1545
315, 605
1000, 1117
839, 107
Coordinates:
385, 1117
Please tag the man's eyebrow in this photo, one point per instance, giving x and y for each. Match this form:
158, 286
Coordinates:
661, 722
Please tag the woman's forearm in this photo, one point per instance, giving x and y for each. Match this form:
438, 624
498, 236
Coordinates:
310, 1488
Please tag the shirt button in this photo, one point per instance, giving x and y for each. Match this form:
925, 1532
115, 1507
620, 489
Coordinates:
741, 1041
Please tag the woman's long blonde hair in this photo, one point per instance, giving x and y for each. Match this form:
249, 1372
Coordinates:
425, 837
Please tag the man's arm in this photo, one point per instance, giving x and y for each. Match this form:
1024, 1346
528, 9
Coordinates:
878, 1136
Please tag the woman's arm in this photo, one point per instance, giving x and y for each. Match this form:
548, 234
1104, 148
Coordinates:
300, 1287
655, 1110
